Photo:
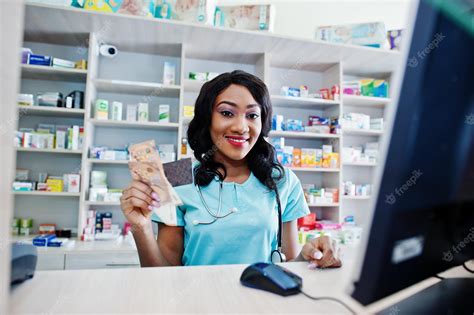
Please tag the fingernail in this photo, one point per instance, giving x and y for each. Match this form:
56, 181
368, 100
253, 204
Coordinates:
154, 195
150, 208
156, 204
318, 255
312, 266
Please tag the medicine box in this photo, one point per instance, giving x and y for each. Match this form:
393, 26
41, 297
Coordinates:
164, 113
101, 109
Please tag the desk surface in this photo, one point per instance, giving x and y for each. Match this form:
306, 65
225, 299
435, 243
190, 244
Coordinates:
200, 289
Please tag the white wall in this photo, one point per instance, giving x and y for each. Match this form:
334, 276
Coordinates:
11, 28
300, 18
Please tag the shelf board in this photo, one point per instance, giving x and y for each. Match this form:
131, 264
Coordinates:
192, 85
305, 135
290, 101
50, 111
46, 194
102, 203
135, 125
99, 161
135, 87
52, 74
56, 151
365, 101
356, 197
362, 132
358, 164
314, 169
323, 205
68, 25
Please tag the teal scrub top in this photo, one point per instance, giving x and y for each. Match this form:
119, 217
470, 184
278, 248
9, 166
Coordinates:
244, 237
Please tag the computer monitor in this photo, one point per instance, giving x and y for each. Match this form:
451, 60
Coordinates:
423, 210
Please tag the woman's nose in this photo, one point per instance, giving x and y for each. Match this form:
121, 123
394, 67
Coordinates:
240, 124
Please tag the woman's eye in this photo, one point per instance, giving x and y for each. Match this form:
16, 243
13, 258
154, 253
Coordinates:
226, 113
253, 116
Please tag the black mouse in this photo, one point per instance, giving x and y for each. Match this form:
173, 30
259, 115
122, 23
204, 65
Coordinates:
272, 278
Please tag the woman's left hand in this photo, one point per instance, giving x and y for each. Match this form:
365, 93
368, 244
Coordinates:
321, 252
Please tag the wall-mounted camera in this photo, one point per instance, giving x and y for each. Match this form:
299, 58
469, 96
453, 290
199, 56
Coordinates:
108, 51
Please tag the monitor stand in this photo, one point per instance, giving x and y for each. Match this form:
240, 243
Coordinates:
449, 296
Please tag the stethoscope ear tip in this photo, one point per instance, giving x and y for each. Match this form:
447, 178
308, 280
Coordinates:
195, 222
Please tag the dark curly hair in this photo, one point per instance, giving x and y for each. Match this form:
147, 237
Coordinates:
261, 160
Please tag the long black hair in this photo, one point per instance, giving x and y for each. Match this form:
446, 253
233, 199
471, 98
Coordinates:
261, 159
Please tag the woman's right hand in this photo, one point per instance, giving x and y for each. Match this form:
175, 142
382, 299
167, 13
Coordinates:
137, 203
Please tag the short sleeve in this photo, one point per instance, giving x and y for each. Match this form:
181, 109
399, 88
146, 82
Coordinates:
296, 206
179, 217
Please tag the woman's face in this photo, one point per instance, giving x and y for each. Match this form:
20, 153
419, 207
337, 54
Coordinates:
236, 122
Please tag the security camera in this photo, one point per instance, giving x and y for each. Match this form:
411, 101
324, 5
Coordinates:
108, 51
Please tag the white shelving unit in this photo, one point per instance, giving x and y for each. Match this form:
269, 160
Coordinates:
53, 74
138, 88
362, 132
51, 111
365, 101
54, 151
303, 135
280, 100
135, 125
135, 76
356, 197
46, 194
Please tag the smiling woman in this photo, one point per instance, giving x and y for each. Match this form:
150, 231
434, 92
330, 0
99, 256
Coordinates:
243, 204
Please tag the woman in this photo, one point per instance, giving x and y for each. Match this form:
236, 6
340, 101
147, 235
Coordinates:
237, 167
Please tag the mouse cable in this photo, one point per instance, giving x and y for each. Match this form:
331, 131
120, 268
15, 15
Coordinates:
320, 298
464, 264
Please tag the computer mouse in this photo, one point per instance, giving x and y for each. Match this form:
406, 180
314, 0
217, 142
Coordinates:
272, 278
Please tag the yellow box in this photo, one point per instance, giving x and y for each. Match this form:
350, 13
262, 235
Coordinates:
55, 185
188, 111
81, 64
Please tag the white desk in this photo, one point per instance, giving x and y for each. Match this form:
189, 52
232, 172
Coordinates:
201, 289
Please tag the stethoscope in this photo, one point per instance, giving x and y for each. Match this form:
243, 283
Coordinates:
276, 255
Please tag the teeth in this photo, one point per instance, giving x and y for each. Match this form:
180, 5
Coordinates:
237, 140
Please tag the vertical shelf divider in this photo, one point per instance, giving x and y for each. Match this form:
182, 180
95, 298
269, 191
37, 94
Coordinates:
90, 95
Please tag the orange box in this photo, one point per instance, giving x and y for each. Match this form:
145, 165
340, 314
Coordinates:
297, 157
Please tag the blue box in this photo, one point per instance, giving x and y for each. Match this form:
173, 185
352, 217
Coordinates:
39, 60
43, 240
295, 92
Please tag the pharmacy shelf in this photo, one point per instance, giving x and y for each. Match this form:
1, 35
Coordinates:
314, 169
362, 132
46, 194
42, 20
355, 197
134, 125
192, 85
323, 205
303, 135
358, 164
99, 161
365, 101
291, 101
102, 203
50, 111
140, 88
57, 151
53, 74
